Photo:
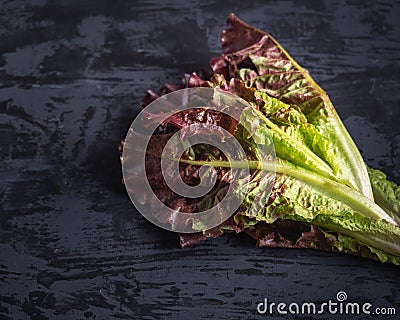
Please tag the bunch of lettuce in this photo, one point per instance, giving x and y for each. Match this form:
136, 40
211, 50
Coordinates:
323, 196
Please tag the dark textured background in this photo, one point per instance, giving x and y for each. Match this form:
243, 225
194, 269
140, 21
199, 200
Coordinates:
72, 75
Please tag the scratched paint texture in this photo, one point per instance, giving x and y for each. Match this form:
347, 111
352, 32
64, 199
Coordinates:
72, 75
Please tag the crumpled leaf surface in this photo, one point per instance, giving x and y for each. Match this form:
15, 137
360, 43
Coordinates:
309, 139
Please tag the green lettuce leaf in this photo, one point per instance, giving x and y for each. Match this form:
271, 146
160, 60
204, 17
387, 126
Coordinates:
386, 193
276, 73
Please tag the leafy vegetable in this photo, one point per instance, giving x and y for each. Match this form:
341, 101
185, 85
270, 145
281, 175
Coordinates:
278, 75
323, 196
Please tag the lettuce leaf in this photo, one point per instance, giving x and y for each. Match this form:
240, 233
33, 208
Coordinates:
276, 73
323, 196
294, 234
386, 193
